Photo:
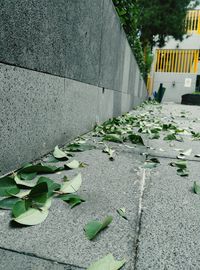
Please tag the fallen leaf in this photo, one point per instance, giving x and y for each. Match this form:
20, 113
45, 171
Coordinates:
59, 154
187, 153
110, 152
27, 176
122, 212
39, 193
20, 207
72, 185
72, 199
136, 139
40, 168
74, 164
179, 164
107, 263
8, 186
113, 138
20, 182
8, 203
51, 185
32, 217
79, 147
94, 227
196, 188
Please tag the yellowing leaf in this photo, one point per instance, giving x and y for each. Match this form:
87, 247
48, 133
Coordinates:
74, 164
23, 182
107, 263
72, 185
58, 153
32, 217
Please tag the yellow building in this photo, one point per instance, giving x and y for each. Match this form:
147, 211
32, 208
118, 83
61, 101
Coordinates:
176, 65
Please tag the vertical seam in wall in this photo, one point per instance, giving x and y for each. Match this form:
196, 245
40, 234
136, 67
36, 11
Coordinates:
101, 41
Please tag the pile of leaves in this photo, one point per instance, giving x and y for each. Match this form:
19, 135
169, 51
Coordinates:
29, 194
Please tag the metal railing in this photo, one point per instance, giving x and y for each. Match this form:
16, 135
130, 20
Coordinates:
149, 84
192, 21
179, 61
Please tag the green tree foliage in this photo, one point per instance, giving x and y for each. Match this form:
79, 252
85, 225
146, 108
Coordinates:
148, 23
159, 19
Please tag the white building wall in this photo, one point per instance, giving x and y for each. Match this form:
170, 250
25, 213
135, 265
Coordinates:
174, 84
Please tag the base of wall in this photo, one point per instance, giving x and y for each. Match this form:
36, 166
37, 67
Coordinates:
39, 111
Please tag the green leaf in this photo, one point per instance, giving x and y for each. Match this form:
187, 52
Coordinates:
32, 217
39, 193
50, 159
8, 203
113, 138
74, 164
170, 137
154, 160
80, 147
150, 165
94, 227
20, 207
18, 181
59, 154
72, 199
40, 168
21, 194
179, 164
196, 188
8, 186
154, 136
107, 263
122, 213
136, 139
27, 176
182, 172
72, 185
187, 152
110, 152
52, 186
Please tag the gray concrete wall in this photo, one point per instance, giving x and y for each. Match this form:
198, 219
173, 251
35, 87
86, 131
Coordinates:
64, 65
174, 93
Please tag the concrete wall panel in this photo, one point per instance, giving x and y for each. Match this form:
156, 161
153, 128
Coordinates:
64, 65
39, 111
57, 37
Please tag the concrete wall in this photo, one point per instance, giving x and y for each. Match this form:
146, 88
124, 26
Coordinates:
64, 64
174, 93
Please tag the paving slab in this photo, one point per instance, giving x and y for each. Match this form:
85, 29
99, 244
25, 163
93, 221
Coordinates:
107, 186
12, 260
170, 231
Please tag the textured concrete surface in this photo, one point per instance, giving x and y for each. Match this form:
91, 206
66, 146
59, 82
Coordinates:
64, 65
162, 231
58, 37
169, 225
107, 186
81, 40
13, 260
170, 232
39, 111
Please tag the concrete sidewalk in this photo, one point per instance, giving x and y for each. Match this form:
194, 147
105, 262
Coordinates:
163, 227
